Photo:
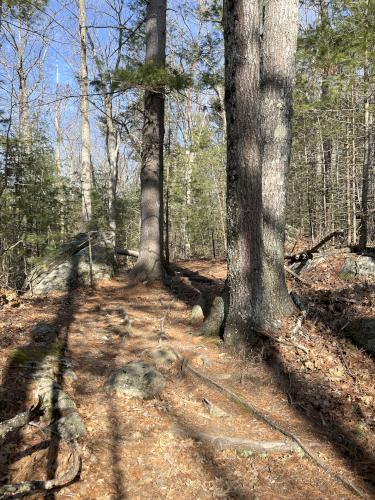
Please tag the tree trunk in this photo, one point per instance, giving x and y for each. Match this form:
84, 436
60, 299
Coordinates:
244, 176
112, 154
150, 263
367, 157
258, 107
86, 179
277, 76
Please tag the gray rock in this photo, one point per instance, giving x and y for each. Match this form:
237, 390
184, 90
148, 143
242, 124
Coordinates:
136, 379
357, 266
163, 357
71, 265
362, 332
43, 332
212, 324
197, 316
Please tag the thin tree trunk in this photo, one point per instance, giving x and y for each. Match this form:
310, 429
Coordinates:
150, 263
57, 120
24, 121
112, 154
354, 172
367, 146
86, 178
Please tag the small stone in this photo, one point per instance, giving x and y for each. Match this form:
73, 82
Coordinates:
163, 357
70, 375
213, 410
43, 332
136, 379
197, 316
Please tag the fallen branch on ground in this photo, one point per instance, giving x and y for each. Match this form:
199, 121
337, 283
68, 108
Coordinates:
295, 276
21, 419
309, 253
236, 443
125, 251
260, 416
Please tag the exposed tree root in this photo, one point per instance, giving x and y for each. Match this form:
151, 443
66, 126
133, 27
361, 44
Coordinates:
260, 416
31, 487
240, 444
21, 419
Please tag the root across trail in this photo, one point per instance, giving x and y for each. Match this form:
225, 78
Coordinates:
192, 438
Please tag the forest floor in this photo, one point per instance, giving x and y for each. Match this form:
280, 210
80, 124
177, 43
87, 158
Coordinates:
325, 394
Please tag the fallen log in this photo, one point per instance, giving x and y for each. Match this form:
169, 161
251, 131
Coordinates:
309, 253
128, 253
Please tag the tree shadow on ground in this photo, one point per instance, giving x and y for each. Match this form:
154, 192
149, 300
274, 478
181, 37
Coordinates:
306, 397
24, 365
190, 287
335, 309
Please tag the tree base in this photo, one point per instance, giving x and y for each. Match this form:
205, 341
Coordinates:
146, 270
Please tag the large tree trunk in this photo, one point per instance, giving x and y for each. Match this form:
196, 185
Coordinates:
86, 179
244, 176
277, 75
258, 107
150, 263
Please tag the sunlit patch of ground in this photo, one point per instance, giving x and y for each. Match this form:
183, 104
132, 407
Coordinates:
132, 450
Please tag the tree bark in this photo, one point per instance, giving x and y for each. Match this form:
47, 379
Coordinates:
244, 181
277, 76
258, 107
150, 263
86, 179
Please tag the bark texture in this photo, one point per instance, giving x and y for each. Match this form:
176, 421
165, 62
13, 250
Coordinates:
150, 262
259, 65
278, 50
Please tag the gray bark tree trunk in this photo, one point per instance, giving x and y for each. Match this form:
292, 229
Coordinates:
259, 77
277, 76
86, 178
150, 262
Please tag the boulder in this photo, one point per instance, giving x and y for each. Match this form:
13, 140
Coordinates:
71, 265
136, 379
362, 332
357, 266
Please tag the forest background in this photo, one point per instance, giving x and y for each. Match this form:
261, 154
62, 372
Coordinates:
330, 183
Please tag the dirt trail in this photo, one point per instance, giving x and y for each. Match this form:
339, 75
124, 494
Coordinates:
131, 449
